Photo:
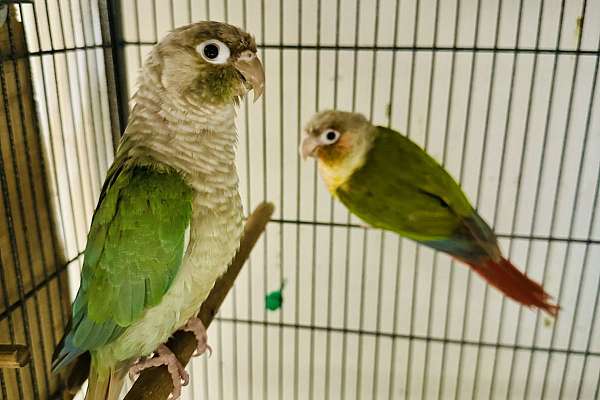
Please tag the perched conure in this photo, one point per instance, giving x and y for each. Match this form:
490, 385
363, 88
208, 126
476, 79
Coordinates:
391, 183
169, 217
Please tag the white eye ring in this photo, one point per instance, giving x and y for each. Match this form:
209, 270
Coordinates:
329, 136
208, 53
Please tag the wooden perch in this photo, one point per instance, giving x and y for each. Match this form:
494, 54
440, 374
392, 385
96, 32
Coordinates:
155, 383
13, 356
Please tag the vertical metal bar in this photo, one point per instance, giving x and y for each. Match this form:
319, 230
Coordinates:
281, 183
347, 255
265, 234
407, 387
381, 233
425, 386
248, 203
375, 391
154, 20
298, 187
491, 86
137, 29
311, 359
358, 383
220, 387
205, 385
331, 208
206, 378
449, 113
392, 374
461, 178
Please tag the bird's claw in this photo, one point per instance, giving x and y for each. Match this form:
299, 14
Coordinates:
196, 326
164, 356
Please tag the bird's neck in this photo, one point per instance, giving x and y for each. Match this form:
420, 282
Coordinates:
174, 129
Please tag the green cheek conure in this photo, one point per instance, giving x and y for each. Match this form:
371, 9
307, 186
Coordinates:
169, 218
390, 183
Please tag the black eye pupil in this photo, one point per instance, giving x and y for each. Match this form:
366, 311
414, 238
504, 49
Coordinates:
211, 51
331, 135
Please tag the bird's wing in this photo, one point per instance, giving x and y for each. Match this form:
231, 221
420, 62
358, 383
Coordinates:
401, 188
135, 248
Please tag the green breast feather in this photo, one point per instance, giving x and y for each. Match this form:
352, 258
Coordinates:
134, 250
402, 189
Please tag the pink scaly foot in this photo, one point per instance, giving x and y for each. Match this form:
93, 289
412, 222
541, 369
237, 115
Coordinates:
165, 357
196, 326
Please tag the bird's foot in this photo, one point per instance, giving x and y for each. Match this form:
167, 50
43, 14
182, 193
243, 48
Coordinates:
164, 356
196, 326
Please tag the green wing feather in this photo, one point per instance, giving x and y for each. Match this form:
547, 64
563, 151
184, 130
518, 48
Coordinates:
134, 250
402, 189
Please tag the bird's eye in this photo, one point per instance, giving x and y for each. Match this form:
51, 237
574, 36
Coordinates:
214, 51
329, 136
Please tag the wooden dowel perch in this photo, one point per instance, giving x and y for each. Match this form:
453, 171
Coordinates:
155, 383
13, 355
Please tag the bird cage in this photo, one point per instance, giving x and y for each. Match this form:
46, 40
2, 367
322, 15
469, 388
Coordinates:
503, 94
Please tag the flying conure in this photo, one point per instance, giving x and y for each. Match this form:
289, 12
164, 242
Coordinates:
169, 217
391, 183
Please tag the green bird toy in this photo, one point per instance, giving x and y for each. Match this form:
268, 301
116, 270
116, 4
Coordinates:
274, 299
169, 218
391, 183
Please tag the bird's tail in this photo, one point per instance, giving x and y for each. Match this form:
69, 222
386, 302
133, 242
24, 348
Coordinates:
514, 284
104, 384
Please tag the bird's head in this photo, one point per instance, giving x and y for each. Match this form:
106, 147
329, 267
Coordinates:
334, 136
212, 61
339, 141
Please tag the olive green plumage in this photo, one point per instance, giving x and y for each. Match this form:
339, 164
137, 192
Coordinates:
422, 201
391, 183
134, 249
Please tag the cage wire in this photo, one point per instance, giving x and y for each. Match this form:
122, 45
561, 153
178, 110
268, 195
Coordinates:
51, 165
503, 94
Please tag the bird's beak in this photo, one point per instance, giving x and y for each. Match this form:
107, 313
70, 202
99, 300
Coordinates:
309, 147
249, 65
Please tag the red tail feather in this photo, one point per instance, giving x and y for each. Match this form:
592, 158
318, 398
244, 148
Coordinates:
515, 284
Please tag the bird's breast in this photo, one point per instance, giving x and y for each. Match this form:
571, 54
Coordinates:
215, 231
